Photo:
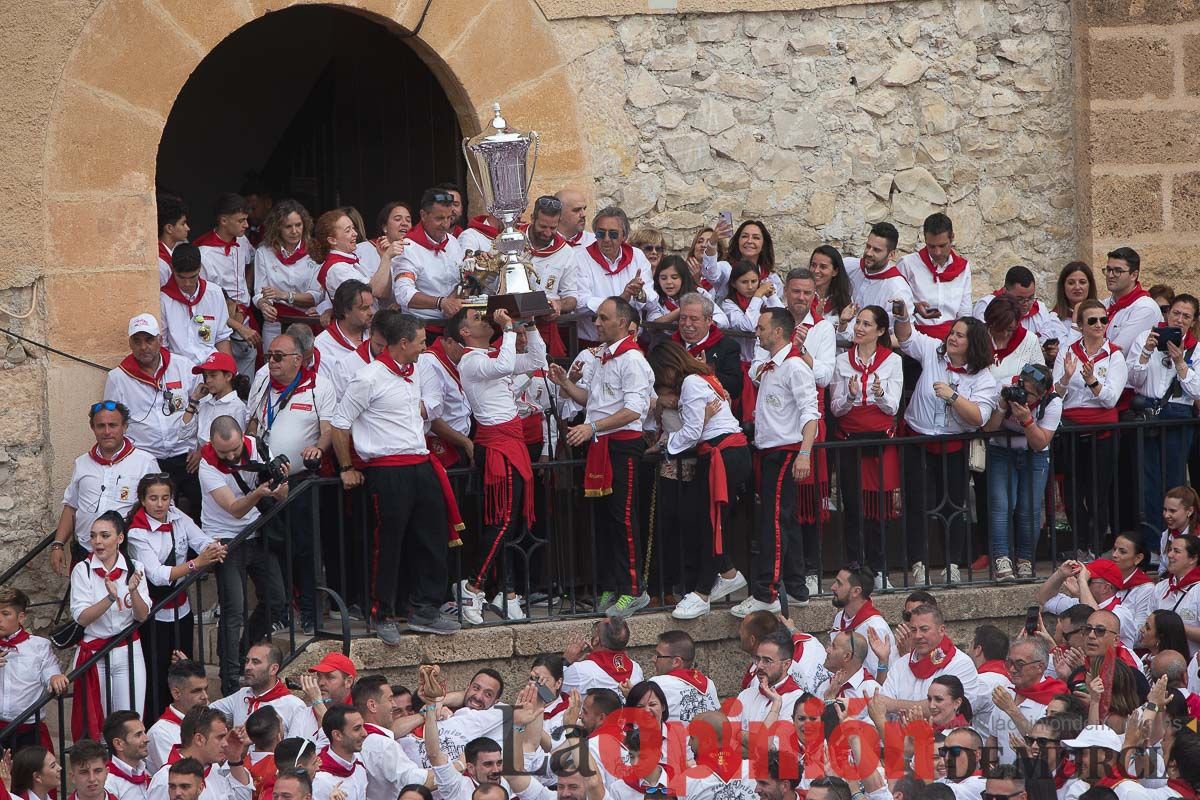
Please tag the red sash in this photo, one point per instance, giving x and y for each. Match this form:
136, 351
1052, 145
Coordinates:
1137, 578
131, 368
718, 488
556, 244
505, 445
276, 692
1180, 584
996, 666
141, 779
597, 468
692, 676
1122, 303
334, 257
1043, 691
624, 261
171, 289
615, 663
120, 455
952, 270
454, 521
288, 261
164, 254
211, 239
925, 668
418, 235
335, 333
87, 712
481, 224
11, 642
698, 350
333, 767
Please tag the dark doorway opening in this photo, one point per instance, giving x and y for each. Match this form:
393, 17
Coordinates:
320, 104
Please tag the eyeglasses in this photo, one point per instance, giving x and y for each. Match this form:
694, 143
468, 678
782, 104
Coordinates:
1069, 634
1115, 271
766, 662
276, 356
1040, 741
548, 202
104, 405
1094, 320
1019, 665
1099, 630
954, 751
658, 655
602, 233
653, 248
992, 796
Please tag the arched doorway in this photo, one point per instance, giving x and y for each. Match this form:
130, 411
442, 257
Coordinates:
319, 103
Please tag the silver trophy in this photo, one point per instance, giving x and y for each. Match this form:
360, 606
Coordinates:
499, 157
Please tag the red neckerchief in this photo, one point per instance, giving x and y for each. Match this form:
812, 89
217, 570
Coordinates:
1110, 603
1018, 335
956, 369
848, 686
126, 449
208, 454
556, 243
376, 730
788, 686
1137, 578
171, 289
867, 611
693, 676
714, 336
110, 575
164, 253
624, 261
1126, 656
1081, 354
418, 235
333, 767
363, 351
141, 779
941, 656
1189, 338
1064, 773
953, 269
769, 366
866, 370
334, 257
740, 299
170, 715
1116, 774
142, 521
1179, 584
211, 239
1033, 309
995, 665
627, 344
438, 348
14, 640
404, 371
724, 765
300, 253
254, 701
335, 333
812, 320
1182, 788
669, 304
1043, 691
958, 721
131, 368
616, 663
307, 379
890, 272
1114, 306
551, 712
481, 224
576, 239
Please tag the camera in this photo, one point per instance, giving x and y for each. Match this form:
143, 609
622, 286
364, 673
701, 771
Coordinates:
1168, 335
271, 472
1014, 394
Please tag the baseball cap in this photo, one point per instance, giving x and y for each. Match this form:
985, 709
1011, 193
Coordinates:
1096, 736
143, 323
335, 661
1106, 570
217, 361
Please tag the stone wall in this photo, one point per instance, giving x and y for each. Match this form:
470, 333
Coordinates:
822, 122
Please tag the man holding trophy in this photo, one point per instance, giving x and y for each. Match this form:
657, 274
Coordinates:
426, 277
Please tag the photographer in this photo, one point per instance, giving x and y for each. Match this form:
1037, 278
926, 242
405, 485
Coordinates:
233, 483
1166, 386
1018, 465
290, 409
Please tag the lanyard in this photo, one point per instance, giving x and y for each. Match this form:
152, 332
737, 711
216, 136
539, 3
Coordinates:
283, 398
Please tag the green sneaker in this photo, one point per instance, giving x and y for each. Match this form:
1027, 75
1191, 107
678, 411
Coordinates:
606, 600
627, 605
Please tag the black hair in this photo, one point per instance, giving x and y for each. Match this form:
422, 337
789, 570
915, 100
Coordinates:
171, 209
883, 322
368, 687
979, 355
836, 786
839, 285
862, 577
937, 223
478, 746
114, 727
121, 409
766, 256
954, 685
199, 721
346, 295
381, 219
624, 311
739, 269
432, 197
183, 670
187, 766
86, 750
454, 325
185, 259
228, 204
993, 642
401, 327
681, 645
419, 789
886, 230
263, 726
153, 479
781, 637
921, 596
1078, 614
287, 752
335, 718
1169, 629
553, 663
494, 675
1129, 256
604, 700
687, 283
1019, 276
779, 318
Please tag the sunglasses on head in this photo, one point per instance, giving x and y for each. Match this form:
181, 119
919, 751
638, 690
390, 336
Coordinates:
548, 202
1094, 320
104, 405
443, 198
602, 233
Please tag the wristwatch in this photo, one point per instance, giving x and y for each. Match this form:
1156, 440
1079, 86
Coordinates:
345, 467
1093, 384
954, 398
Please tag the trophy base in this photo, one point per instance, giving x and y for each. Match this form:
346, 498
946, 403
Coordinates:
521, 305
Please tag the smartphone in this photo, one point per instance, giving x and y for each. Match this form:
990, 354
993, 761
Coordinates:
727, 219
1168, 335
898, 308
1031, 620
546, 694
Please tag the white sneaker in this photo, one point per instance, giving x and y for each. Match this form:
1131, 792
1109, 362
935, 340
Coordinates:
472, 603
752, 604
512, 605
812, 584
691, 606
882, 582
1024, 568
725, 587
952, 574
918, 574
1004, 568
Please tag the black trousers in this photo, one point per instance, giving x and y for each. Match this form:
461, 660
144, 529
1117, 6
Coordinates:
618, 522
864, 539
293, 531
493, 543
1088, 463
701, 562
936, 488
159, 640
410, 527
187, 485
783, 540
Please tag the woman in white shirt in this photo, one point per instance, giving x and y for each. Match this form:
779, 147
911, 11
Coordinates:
1018, 465
334, 239
955, 394
108, 593
1179, 509
706, 425
865, 396
1076, 283
160, 536
1089, 375
35, 773
1178, 591
285, 277
1013, 347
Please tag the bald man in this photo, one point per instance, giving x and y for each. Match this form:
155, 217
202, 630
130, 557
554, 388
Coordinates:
848, 677
573, 225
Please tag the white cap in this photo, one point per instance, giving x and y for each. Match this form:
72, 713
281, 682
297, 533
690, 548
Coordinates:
143, 323
1096, 736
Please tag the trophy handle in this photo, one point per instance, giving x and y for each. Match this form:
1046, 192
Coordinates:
470, 167
532, 167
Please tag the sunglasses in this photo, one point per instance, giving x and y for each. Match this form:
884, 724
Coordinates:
655, 791
1040, 741
1094, 320
992, 796
104, 405
156, 476
1069, 634
653, 248
953, 751
549, 203
1099, 630
277, 356
602, 233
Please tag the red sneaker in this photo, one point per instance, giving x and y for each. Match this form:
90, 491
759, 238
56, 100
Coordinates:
980, 564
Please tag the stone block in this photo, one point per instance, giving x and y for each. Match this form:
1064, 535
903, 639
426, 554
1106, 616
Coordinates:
1126, 205
1172, 264
799, 129
1191, 64
95, 144
1167, 137
103, 335
713, 116
920, 183
211, 21
1102, 13
644, 90
640, 193
1130, 68
998, 204
1185, 202
906, 69
689, 151
822, 208
90, 234
19, 425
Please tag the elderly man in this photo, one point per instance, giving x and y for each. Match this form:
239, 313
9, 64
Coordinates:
573, 225
701, 337
154, 384
1016, 710
426, 277
611, 267
105, 478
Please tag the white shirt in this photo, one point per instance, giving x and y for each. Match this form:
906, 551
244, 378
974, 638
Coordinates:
152, 548
1028, 351
952, 298
684, 700
859, 685
123, 789
300, 277
624, 382
808, 662
754, 705
420, 269
488, 382
891, 378
218, 785
587, 674
1125, 325
354, 786
874, 623
581, 240
1125, 790
216, 521
596, 285
1050, 420
1110, 370
557, 270
658, 308
475, 240
209, 408
195, 330
927, 413
871, 290
164, 269
1001, 725
1139, 601
382, 411
87, 589
358, 269
335, 349
163, 735
296, 426
464, 725
298, 718
694, 395
450, 784
161, 435
388, 768
1040, 320
902, 684
745, 320
228, 272
96, 488
1185, 603
339, 375
820, 343
1153, 378
717, 273
443, 394
786, 401
25, 675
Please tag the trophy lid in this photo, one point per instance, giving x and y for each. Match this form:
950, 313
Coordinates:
498, 130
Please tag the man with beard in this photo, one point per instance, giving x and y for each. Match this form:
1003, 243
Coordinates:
573, 225
556, 269
689, 691
353, 310
774, 786
851, 590
698, 334
340, 772
476, 714
187, 682
773, 658
1021, 285
874, 279
848, 680
426, 277
260, 685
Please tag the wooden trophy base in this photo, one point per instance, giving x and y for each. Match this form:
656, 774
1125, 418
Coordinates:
522, 305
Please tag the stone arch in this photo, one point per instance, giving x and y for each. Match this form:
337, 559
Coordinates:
118, 87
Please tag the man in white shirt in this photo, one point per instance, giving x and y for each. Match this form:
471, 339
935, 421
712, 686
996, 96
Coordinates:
173, 230
214, 750
606, 665
339, 767
963, 751
939, 277
933, 654
89, 770
195, 320
851, 590
154, 384
552, 255
426, 277
786, 425
1131, 309
229, 467
1020, 284
29, 668
382, 409
448, 413
617, 400
874, 279
125, 736
187, 681
260, 686
689, 691
388, 768
1016, 709
848, 680
1098, 763
353, 309
573, 225
228, 265
608, 267
774, 659
105, 478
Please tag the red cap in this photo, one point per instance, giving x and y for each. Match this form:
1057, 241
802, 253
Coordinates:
335, 661
1106, 570
218, 362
